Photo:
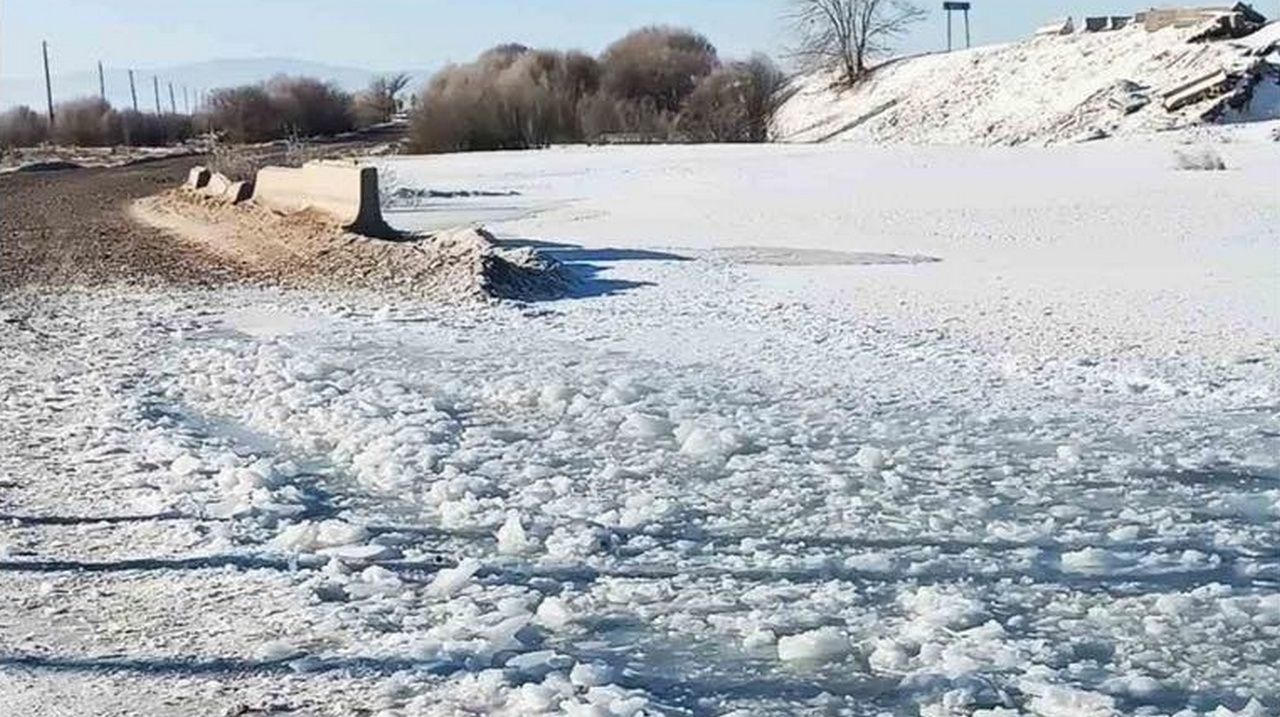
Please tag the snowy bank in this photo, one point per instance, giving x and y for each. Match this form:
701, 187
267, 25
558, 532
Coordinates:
1045, 89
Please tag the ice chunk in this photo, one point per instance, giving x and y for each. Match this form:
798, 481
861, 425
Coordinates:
278, 651
1069, 455
1056, 701
759, 639
554, 614
821, 645
540, 661
1089, 560
185, 465
703, 442
646, 426
309, 536
586, 674
512, 539
870, 458
699, 441
362, 553
888, 656
622, 391
450, 580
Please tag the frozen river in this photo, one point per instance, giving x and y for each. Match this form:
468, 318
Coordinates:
823, 430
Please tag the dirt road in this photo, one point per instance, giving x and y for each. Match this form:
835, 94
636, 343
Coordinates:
70, 228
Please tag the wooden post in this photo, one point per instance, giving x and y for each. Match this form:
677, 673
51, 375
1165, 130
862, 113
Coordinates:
155, 87
173, 106
133, 91
102, 82
48, 84
186, 100
948, 30
966, 29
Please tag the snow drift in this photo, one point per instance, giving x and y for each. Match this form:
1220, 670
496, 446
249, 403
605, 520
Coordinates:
1044, 89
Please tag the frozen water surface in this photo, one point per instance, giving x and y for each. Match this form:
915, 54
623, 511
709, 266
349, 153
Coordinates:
1038, 476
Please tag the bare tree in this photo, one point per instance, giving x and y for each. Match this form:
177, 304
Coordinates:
378, 103
847, 34
391, 85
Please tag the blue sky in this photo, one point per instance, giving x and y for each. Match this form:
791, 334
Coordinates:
423, 34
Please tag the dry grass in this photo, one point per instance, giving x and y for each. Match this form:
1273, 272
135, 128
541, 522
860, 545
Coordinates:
1204, 159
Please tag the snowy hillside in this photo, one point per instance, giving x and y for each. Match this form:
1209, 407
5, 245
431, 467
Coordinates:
1046, 89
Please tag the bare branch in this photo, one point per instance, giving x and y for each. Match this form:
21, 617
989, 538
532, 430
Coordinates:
846, 35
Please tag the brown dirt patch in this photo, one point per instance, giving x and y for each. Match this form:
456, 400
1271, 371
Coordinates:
69, 227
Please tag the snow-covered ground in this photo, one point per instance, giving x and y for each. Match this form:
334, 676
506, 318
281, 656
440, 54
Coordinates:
824, 430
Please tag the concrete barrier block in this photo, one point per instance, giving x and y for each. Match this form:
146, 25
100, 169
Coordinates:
217, 185
238, 192
344, 191
198, 177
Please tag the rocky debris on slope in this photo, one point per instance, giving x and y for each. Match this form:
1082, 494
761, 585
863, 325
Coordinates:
307, 249
1046, 89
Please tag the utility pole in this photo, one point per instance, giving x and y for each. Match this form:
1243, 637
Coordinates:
102, 82
48, 84
155, 87
133, 91
173, 106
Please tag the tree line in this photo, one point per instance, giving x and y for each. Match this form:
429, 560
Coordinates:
279, 108
656, 84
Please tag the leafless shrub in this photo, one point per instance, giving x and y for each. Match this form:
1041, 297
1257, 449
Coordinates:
513, 97
86, 122
500, 57
847, 34
660, 64
145, 130
244, 114
510, 98
308, 107
240, 162
92, 122
735, 103
237, 163
1205, 159
608, 119
22, 127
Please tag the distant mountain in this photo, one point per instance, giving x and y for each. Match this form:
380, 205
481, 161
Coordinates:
194, 76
